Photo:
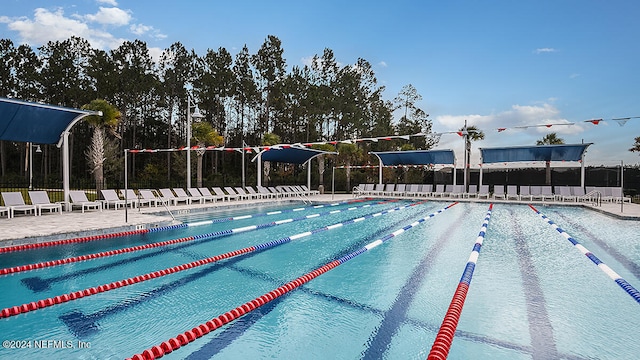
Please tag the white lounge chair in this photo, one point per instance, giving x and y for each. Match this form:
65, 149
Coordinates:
536, 192
547, 193
525, 192
79, 199
473, 192
195, 193
180, 193
233, 193
309, 191
148, 197
168, 195
400, 190
245, 194
439, 192
512, 192
41, 200
483, 191
14, 201
111, 198
617, 195
563, 193
426, 190
251, 191
265, 193
209, 196
4, 210
218, 191
388, 189
133, 199
498, 192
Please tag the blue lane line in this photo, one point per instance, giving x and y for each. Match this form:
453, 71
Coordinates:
393, 318
244, 217
628, 288
631, 266
85, 325
39, 284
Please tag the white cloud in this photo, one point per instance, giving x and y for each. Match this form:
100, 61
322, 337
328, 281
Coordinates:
155, 53
141, 29
517, 116
545, 50
110, 16
382, 63
108, 2
53, 25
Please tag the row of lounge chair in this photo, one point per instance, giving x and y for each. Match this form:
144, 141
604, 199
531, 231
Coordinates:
560, 193
421, 190
513, 192
15, 203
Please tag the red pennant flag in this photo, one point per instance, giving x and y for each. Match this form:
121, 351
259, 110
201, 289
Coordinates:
549, 125
595, 121
501, 129
459, 133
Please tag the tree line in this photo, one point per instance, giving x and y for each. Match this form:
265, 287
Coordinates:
243, 97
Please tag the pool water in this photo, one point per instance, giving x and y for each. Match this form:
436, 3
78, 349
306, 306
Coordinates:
533, 295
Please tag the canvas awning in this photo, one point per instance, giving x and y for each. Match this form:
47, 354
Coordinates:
290, 154
416, 157
36, 123
562, 152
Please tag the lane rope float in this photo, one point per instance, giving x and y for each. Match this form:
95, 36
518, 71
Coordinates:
208, 236
35, 305
189, 336
23, 247
628, 288
444, 338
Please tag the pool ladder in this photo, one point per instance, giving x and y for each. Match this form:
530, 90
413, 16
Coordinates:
595, 196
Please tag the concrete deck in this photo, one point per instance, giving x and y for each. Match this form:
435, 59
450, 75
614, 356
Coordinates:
48, 227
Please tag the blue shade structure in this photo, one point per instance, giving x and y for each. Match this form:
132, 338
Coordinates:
416, 157
563, 152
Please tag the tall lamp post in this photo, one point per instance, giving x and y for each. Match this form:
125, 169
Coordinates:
38, 150
196, 115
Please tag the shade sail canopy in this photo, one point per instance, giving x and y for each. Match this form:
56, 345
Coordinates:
416, 157
561, 152
290, 154
36, 123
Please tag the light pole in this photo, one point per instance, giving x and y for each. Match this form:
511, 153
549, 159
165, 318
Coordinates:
196, 115
38, 150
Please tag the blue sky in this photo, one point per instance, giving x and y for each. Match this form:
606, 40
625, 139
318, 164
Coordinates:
495, 63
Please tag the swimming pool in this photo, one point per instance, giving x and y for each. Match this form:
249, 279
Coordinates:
533, 294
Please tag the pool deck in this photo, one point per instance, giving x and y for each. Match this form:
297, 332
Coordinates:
50, 227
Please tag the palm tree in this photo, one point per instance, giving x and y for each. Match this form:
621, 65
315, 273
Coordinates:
549, 139
636, 146
473, 134
204, 135
269, 139
108, 121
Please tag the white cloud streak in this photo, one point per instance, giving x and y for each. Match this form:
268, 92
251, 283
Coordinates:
545, 50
